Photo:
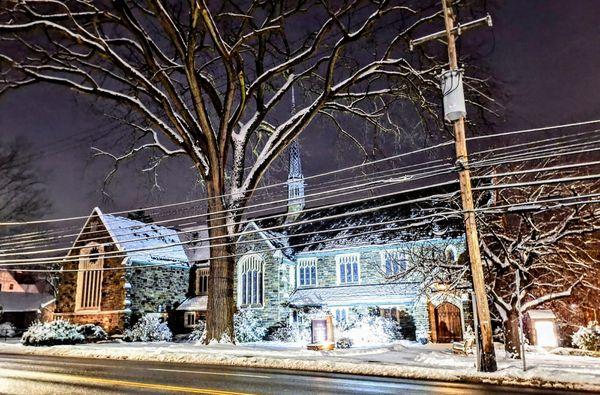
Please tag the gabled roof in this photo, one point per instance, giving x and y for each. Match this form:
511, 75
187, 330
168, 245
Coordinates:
14, 302
141, 242
541, 314
147, 243
197, 303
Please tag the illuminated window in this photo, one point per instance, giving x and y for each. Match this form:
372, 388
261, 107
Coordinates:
250, 292
89, 277
202, 281
348, 268
307, 272
393, 262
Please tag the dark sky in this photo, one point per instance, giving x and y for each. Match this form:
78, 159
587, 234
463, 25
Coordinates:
544, 54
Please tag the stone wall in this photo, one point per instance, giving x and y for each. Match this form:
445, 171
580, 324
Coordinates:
152, 288
112, 302
276, 287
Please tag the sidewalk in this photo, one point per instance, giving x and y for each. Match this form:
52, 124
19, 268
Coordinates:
403, 360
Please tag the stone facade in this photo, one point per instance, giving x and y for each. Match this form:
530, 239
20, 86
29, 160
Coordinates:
155, 290
276, 286
111, 314
280, 271
126, 287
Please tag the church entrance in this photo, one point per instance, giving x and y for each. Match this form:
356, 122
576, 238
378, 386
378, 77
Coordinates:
448, 324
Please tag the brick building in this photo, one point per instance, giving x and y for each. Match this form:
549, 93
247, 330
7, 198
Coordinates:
144, 270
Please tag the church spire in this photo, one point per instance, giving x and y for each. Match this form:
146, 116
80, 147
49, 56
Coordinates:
295, 182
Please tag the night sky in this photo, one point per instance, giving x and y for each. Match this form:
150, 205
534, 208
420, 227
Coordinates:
545, 56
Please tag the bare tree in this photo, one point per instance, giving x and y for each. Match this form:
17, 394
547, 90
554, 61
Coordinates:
212, 82
22, 191
542, 231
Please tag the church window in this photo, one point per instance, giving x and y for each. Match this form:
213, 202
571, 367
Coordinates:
393, 262
348, 268
89, 277
202, 281
250, 292
307, 272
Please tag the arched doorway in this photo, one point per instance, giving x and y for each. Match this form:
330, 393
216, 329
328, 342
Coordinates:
448, 323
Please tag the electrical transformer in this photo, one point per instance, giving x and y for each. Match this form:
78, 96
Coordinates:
454, 97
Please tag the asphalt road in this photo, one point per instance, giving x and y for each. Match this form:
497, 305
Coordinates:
20, 374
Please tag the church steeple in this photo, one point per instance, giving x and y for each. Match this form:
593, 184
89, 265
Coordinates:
295, 182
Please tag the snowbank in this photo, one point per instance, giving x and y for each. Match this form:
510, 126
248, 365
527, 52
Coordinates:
402, 359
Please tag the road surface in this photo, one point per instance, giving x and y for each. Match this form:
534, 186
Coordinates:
22, 374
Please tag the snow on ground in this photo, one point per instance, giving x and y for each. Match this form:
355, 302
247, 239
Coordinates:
403, 359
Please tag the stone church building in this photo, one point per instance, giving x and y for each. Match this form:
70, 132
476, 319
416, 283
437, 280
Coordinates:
145, 270
342, 257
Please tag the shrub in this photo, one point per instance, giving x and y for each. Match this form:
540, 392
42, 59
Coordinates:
148, 329
366, 328
343, 342
248, 327
287, 332
52, 333
92, 333
7, 329
197, 333
588, 337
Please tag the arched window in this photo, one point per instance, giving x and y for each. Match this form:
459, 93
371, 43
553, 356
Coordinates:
202, 281
89, 277
307, 272
250, 292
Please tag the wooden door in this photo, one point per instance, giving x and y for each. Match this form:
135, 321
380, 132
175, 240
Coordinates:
448, 323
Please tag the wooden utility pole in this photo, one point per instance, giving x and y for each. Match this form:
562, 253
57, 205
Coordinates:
488, 357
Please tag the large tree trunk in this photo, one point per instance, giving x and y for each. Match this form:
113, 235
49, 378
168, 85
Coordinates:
512, 340
221, 303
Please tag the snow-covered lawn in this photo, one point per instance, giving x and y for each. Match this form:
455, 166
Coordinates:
402, 359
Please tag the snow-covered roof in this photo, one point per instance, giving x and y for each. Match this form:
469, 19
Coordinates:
541, 314
145, 243
388, 293
361, 223
197, 303
13, 302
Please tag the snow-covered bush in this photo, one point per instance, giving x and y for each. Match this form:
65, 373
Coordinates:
588, 337
367, 328
92, 333
7, 329
289, 332
248, 327
197, 333
52, 333
344, 342
149, 328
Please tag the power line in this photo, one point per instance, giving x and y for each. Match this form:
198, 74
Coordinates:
448, 143
445, 215
328, 197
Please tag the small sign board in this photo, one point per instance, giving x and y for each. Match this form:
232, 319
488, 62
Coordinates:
321, 330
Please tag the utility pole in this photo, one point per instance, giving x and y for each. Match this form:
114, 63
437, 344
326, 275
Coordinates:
454, 109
